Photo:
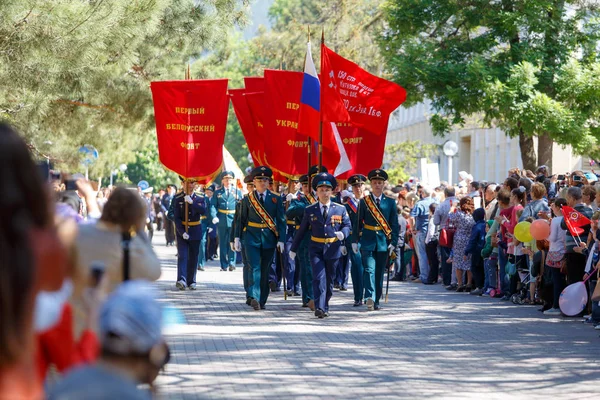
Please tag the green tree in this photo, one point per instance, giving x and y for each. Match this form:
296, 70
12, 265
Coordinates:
401, 159
500, 60
78, 72
148, 167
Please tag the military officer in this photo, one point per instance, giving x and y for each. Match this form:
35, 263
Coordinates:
189, 233
263, 217
376, 236
357, 182
289, 264
222, 210
329, 225
246, 269
295, 212
211, 236
205, 225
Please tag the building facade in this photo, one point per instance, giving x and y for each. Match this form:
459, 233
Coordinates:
486, 153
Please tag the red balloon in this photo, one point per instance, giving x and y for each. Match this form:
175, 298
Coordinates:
540, 229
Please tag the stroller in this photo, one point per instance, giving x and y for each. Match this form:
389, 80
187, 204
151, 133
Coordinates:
523, 287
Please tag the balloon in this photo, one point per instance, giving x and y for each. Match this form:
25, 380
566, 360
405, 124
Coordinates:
522, 232
573, 299
540, 229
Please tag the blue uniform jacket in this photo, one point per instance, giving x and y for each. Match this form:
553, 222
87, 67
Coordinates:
195, 211
375, 240
261, 236
222, 206
323, 230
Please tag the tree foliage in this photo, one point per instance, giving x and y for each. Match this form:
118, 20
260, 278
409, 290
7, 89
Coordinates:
78, 72
522, 65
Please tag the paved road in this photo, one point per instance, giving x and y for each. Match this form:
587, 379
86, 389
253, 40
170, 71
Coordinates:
425, 343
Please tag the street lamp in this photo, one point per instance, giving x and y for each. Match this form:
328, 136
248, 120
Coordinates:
450, 150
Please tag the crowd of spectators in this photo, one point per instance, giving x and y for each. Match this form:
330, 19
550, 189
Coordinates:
464, 237
66, 312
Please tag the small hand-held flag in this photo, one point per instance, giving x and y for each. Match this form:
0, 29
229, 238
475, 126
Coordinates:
574, 221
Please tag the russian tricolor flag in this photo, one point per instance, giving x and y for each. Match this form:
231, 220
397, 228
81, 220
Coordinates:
310, 100
310, 115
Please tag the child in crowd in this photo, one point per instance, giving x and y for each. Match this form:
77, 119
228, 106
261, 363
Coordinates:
476, 244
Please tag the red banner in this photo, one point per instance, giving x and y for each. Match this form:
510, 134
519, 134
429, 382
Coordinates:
285, 148
191, 118
364, 150
254, 84
368, 99
248, 125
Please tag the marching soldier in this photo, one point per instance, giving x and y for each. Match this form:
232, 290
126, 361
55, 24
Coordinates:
356, 269
222, 209
329, 226
246, 269
205, 225
188, 240
376, 236
211, 235
262, 215
289, 264
295, 212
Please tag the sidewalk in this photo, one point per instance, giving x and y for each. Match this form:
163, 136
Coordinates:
425, 343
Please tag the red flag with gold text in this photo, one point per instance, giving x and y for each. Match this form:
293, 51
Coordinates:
191, 118
369, 100
285, 148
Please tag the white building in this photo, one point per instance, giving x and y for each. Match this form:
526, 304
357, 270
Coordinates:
486, 153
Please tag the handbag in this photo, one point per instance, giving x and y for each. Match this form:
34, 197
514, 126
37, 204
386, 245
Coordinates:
446, 238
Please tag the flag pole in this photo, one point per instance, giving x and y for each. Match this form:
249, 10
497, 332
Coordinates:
321, 106
185, 182
309, 150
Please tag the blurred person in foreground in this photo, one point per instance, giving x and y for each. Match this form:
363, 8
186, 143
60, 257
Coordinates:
33, 259
123, 221
133, 350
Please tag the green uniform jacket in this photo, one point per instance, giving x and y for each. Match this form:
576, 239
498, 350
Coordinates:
261, 237
375, 240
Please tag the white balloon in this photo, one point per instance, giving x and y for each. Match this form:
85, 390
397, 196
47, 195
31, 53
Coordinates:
573, 299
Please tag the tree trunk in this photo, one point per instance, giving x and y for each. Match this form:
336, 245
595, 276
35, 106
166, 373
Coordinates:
527, 151
544, 151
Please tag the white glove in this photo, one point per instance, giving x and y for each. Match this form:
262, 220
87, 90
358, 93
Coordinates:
215, 220
391, 249
344, 250
280, 246
210, 230
185, 236
290, 197
188, 199
339, 235
292, 255
237, 245
232, 246
355, 248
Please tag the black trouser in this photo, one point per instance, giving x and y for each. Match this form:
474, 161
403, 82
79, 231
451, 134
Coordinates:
434, 262
477, 269
150, 228
446, 267
575, 267
169, 231
558, 280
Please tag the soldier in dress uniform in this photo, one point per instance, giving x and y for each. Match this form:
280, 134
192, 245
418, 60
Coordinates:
205, 225
357, 182
342, 271
329, 225
246, 269
189, 233
295, 212
375, 236
289, 264
263, 217
222, 209
211, 235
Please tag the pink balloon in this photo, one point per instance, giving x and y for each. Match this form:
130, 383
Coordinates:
540, 229
573, 299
